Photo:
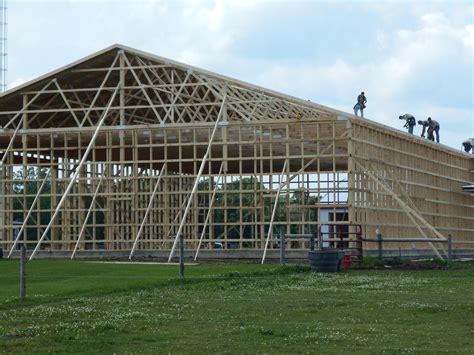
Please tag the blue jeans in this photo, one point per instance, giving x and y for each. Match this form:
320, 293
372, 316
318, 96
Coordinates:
410, 129
432, 133
357, 108
436, 131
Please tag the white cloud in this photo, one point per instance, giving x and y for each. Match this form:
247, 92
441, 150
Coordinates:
412, 43
381, 38
468, 38
416, 55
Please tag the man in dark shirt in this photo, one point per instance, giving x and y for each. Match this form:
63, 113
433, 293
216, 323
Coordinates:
360, 105
432, 127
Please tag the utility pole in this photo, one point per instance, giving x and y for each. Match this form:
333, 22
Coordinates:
3, 45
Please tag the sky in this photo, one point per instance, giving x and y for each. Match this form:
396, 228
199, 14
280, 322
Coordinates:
407, 56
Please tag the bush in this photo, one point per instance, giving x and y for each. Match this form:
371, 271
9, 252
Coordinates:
370, 262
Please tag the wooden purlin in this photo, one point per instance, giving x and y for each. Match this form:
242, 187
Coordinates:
428, 176
410, 211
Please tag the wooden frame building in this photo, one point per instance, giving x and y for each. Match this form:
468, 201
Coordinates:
124, 151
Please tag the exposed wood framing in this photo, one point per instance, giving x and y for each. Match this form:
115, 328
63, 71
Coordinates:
28, 215
86, 218
270, 229
74, 176
196, 182
223, 164
211, 203
410, 212
140, 230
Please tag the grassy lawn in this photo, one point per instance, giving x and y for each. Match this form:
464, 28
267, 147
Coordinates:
77, 306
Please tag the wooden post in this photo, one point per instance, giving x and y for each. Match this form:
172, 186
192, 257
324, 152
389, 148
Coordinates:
320, 238
450, 249
311, 241
22, 273
379, 243
181, 255
282, 248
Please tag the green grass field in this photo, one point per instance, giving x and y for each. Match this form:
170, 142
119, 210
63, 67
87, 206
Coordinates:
76, 306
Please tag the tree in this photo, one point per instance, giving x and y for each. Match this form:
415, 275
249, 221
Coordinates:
25, 187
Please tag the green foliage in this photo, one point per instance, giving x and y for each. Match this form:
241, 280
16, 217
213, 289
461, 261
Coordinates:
241, 196
395, 262
25, 186
369, 262
28, 183
245, 199
439, 262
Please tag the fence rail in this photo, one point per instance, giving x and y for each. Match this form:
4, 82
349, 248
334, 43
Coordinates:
334, 237
380, 240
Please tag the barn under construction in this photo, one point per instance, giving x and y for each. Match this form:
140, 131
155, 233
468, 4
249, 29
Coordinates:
122, 152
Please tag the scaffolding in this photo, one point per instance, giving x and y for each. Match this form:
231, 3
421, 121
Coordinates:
123, 152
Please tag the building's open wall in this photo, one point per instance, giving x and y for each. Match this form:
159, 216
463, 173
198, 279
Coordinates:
409, 188
233, 204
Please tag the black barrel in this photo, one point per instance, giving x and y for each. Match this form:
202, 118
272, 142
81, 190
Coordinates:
328, 260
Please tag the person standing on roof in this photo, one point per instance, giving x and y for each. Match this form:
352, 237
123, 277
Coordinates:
410, 122
360, 105
432, 127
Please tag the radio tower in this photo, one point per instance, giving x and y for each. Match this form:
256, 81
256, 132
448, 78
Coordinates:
3, 45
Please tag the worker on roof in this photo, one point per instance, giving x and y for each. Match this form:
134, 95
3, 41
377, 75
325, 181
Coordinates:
432, 127
360, 105
410, 122
468, 145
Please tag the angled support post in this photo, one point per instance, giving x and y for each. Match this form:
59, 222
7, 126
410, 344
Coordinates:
274, 211
174, 222
196, 182
415, 213
29, 213
408, 210
211, 203
87, 215
76, 173
309, 163
140, 230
